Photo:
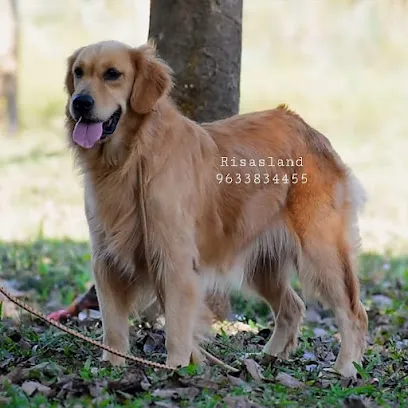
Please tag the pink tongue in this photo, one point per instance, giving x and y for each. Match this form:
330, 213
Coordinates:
87, 134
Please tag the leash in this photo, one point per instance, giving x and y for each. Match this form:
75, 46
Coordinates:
74, 333
81, 336
87, 339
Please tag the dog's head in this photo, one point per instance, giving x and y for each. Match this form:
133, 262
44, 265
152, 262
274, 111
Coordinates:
108, 81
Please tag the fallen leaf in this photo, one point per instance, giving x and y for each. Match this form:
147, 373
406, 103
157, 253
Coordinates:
145, 384
319, 332
354, 402
239, 382
311, 367
330, 357
187, 392
401, 345
15, 375
99, 401
25, 345
75, 386
239, 402
253, 369
165, 404
125, 395
234, 327
6, 362
132, 381
96, 390
325, 383
49, 369
289, 381
267, 360
309, 356
152, 343
200, 383
30, 387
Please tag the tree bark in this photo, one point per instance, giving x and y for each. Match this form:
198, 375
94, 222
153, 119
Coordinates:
8, 60
201, 41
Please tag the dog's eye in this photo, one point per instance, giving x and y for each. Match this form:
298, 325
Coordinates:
111, 74
78, 72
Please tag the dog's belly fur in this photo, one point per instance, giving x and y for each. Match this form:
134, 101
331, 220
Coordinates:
277, 247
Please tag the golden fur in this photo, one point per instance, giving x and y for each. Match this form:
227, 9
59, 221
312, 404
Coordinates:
205, 236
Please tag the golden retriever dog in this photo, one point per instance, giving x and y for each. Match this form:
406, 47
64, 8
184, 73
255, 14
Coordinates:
237, 203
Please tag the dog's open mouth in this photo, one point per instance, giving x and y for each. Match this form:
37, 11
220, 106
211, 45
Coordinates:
87, 133
109, 126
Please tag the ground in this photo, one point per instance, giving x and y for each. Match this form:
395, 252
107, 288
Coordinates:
41, 366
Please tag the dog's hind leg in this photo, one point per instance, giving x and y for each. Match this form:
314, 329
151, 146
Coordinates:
287, 322
328, 272
288, 308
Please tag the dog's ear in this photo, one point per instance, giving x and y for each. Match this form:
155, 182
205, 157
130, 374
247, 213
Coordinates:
153, 79
69, 78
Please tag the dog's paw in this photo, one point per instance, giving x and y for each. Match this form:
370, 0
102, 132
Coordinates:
113, 359
177, 361
346, 370
197, 357
281, 350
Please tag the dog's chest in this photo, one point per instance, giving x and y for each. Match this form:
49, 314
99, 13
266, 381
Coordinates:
113, 216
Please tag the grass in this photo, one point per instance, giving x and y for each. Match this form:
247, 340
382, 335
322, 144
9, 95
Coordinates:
341, 65
53, 272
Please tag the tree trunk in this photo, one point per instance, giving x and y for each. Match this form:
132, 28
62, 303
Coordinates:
8, 60
201, 40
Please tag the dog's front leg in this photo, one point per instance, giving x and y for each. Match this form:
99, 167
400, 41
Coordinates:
182, 300
114, 304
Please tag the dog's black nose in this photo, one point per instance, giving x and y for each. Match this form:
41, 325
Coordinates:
82, 104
